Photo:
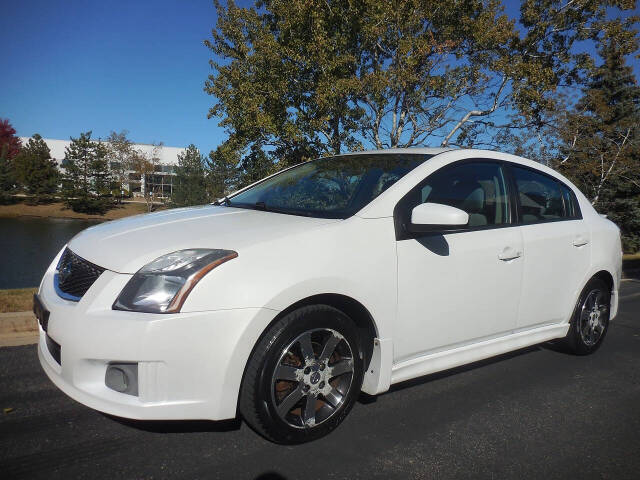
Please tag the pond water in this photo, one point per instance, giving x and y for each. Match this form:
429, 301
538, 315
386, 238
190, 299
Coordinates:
28, 244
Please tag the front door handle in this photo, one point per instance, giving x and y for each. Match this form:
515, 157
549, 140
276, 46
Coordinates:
509, 253
580, 240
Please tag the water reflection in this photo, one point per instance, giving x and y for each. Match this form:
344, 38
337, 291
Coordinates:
28, 244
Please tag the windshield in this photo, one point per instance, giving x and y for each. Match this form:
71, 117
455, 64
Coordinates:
333, 187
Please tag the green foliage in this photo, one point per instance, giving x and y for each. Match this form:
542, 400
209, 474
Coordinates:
601, 140
297, 79
87, 181
7, 179
223, 171
35, 172
89, 204
189, 184
122, 159
254, 166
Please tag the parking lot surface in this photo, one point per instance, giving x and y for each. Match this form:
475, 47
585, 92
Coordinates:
536, 413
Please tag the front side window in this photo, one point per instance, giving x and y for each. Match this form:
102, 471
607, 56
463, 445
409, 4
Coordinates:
478, 188
542, 198
334, 187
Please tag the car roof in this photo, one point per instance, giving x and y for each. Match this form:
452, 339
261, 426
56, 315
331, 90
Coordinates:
415, 151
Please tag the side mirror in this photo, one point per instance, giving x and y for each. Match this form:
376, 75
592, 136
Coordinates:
430, 217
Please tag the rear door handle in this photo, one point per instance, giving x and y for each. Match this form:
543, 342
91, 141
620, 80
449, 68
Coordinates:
509, 253
580, 240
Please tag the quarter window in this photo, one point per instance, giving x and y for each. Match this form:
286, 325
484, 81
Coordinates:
542, 198
478, 188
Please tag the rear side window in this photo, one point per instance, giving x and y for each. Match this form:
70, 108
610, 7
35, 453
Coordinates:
542, 198
478, 188
570, 202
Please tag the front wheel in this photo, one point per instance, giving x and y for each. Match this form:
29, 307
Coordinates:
303, 376
590, 320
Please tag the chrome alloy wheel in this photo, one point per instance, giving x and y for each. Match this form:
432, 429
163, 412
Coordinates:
312, 378
593, 317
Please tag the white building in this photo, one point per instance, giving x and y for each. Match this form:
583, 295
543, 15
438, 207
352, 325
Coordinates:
162, 179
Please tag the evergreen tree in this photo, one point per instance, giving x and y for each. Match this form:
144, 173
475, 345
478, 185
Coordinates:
189, 186
101, 174
223, 171
35, 171
86, 179
602, 142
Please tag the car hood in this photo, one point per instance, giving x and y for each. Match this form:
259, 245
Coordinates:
127, 245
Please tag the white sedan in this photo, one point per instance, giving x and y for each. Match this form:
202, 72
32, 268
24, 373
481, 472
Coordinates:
350, 273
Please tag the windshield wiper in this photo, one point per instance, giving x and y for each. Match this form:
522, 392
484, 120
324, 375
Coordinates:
263, 206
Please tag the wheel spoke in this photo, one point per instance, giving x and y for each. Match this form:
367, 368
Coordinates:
309, 414
333, 398
585, 328
591, 301
288, 372
289, 401
306, 347
329, 347
341, 367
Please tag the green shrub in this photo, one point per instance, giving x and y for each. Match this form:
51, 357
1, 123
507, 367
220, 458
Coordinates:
90, 205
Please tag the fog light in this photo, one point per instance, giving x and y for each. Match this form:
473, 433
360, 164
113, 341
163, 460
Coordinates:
122, 377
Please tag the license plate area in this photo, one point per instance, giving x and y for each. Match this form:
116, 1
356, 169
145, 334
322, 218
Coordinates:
41, 313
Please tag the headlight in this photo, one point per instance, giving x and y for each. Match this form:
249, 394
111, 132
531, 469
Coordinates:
163, 285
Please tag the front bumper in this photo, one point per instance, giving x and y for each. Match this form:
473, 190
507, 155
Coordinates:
190, 365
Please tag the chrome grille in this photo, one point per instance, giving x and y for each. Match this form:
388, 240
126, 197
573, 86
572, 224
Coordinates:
75, 275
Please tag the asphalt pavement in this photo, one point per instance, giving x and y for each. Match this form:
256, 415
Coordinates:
536, 413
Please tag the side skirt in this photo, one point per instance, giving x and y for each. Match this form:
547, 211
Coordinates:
455, 357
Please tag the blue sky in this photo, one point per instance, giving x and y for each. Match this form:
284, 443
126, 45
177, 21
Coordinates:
72, 66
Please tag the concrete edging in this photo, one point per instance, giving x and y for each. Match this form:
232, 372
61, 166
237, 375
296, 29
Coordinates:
18, 328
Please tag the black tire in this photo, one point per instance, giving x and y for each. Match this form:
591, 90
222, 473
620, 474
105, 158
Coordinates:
588, 328
265, 394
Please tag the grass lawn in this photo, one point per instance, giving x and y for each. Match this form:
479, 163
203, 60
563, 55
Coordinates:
58, 210
16, 300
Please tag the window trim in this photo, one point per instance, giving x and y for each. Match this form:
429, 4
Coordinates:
400, 217
516, 197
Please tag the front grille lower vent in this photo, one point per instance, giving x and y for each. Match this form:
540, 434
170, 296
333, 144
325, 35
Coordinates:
75, 275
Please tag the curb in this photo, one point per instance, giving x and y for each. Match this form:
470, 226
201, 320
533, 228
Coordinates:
18, 328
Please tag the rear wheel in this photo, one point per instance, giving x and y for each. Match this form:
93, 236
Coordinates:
304, 376
590, 320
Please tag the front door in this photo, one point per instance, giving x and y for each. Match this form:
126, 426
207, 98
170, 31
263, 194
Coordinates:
457, 288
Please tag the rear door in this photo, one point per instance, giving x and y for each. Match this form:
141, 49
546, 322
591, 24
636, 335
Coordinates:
556, 247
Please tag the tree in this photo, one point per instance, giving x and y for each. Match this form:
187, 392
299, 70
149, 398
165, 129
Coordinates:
190, 186
121, 157
223, 171
35, 171
601, 139
9, 147
301, 78
86, 181
9, 143
144, 166
254, 166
